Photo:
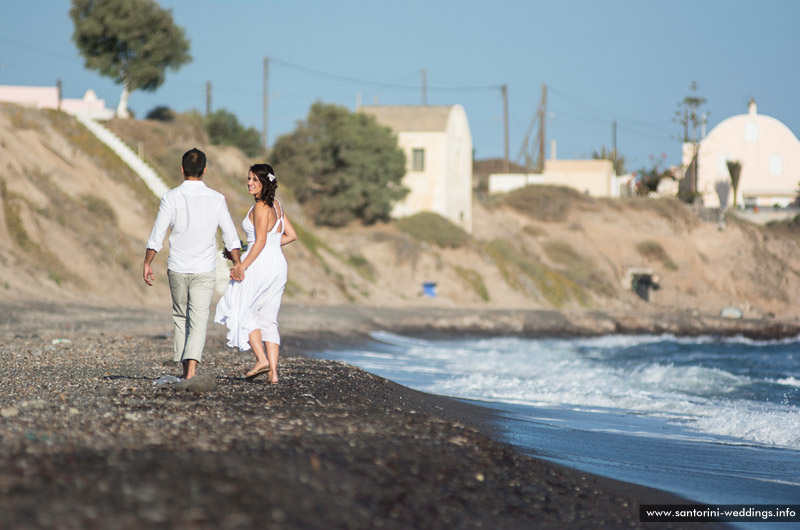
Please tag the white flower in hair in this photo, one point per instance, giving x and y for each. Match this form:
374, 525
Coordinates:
271, 177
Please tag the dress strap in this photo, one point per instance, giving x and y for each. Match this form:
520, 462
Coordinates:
279, 214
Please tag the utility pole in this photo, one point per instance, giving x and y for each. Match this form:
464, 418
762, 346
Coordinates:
424, 87
614, 144
266, 101
208, 98
504, 91
59, 89
543, 118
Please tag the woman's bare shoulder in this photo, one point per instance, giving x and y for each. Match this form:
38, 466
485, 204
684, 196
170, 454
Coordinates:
261, 207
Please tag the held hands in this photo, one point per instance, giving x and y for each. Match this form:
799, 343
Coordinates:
237, 273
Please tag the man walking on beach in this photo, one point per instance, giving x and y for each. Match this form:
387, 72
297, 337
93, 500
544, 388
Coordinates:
194, 212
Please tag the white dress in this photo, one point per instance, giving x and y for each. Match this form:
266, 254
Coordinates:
254, 302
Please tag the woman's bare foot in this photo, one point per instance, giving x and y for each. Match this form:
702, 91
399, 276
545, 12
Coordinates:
273, 376
257, 370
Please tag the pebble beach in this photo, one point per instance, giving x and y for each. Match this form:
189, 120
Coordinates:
88, 439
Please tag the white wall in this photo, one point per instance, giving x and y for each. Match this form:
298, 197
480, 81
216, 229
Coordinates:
458, 195
427, 186
595, 177
445, 184
768, 151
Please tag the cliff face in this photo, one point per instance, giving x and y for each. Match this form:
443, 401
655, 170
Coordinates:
74, 220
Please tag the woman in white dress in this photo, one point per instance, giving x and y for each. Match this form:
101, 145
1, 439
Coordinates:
251, 302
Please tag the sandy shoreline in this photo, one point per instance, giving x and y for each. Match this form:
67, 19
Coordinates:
88, 440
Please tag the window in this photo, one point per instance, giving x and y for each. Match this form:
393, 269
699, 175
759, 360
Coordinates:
418, 160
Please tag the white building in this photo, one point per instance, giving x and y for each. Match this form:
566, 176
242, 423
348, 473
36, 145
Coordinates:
593, 177
47, 97
769, 154
437, 143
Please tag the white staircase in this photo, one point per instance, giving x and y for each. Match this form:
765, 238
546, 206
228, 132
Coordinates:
151, 178
145, 172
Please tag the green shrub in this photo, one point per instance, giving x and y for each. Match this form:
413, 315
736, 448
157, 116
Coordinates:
362, 266
313, 244
532, 278
223, 128
669, 208
653, 250
99, 209
433, 228
546, 203
474, 280
161, 113
561, 252
581, 270
534, 231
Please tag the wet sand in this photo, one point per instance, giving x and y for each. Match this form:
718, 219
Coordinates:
88, 440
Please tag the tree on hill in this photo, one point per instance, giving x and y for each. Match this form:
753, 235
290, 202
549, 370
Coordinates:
224, 128
342, 165
131, 41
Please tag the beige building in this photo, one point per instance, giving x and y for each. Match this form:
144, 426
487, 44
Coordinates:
593, 177
769, 154
438, 146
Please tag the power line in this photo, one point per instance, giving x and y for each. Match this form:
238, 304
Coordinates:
36, 49
379, 84
605, 112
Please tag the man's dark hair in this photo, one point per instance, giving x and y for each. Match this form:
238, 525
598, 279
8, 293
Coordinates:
194, 163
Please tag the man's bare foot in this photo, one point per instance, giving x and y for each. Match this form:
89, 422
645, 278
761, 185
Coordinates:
189, 369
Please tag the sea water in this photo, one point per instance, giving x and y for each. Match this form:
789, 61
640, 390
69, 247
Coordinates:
715, 420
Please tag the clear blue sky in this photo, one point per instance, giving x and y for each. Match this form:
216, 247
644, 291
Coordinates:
626, 60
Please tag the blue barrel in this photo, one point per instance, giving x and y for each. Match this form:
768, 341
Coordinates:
429, 289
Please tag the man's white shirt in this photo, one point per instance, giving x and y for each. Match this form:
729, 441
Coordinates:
193, 211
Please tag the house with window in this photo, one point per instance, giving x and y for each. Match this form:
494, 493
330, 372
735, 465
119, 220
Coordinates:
769, 154
438, 146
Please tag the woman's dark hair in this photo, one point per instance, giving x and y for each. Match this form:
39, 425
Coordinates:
268, 187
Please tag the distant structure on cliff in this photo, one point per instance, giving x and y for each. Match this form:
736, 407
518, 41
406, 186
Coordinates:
592, 177
49, 97
438, 146
769, 154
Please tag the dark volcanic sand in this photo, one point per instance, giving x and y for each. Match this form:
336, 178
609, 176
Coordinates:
88, 441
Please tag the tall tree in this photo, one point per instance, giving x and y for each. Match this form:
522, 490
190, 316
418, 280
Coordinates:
735, 169
131, 41
611, 154
342, 165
